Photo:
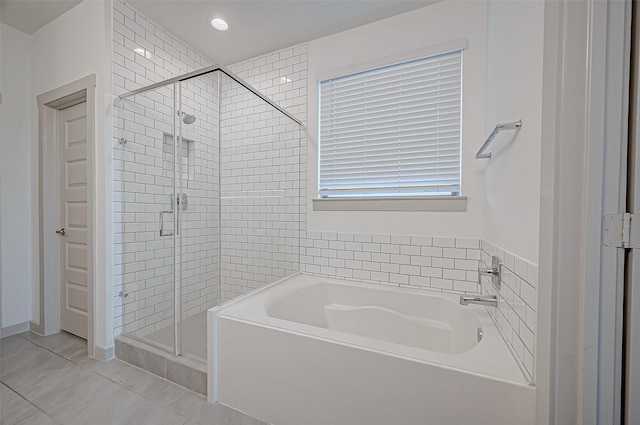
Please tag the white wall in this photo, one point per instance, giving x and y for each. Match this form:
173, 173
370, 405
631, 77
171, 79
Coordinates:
436, 24
514, 91
16, 178
68, 48
65, 50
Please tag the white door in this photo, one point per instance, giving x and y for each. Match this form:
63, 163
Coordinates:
74, 279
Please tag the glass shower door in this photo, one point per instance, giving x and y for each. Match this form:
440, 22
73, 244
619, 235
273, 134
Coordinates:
147, 217
167, 226
208, 205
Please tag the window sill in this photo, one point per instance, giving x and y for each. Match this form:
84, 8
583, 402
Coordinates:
432, 203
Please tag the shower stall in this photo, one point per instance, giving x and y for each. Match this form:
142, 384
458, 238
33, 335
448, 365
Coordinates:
207, 194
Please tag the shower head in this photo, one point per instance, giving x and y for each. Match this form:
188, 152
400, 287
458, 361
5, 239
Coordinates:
187, 118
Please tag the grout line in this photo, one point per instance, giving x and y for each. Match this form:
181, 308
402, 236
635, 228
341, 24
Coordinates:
101, 376
34, 341
32, 404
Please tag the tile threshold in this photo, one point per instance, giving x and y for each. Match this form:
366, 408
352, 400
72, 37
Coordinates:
182, 371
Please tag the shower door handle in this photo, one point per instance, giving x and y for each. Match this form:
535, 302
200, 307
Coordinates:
164, 232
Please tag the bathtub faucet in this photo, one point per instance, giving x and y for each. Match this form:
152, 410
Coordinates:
488, 300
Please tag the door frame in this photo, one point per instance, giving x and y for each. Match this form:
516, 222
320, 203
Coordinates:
49, 105
584, 137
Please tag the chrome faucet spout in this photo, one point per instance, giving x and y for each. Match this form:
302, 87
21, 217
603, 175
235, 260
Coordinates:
488, 300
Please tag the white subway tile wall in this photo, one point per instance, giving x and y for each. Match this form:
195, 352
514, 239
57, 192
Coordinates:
436, 263
517, 303
281, 76
143, 265
262, 150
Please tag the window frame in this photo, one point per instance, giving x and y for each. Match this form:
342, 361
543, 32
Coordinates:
456, 202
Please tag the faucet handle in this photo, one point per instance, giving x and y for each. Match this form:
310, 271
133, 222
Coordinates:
495, 272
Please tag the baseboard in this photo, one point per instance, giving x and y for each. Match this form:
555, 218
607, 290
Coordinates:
36, 327
104, 354
18, 328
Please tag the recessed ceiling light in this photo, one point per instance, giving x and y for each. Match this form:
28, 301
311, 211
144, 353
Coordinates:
219, 24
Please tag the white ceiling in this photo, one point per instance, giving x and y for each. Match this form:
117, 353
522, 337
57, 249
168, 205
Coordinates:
261, 26
255, 26
30, 15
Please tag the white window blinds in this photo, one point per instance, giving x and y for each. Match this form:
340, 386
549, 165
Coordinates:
392, 131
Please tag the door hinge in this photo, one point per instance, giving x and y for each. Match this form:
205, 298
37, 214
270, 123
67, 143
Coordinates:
621, 230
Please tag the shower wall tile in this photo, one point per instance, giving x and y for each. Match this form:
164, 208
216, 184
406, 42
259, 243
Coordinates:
281, 76
144, 53
419, 262
262, 173
517, 303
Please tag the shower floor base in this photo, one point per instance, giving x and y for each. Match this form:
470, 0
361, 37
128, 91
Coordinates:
194, 337
181, 370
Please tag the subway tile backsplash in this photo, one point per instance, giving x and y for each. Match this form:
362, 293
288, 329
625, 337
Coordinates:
517, 303
434, 263
438, 263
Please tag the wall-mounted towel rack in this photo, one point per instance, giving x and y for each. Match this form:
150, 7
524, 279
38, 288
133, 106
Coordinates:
498, 129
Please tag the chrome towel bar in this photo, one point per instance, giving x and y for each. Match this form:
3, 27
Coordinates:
498, 129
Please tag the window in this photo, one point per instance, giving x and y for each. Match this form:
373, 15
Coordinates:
393, 131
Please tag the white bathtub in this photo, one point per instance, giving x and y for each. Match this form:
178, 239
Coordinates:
315, 351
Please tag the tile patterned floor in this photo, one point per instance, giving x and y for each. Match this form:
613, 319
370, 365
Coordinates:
51, 381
